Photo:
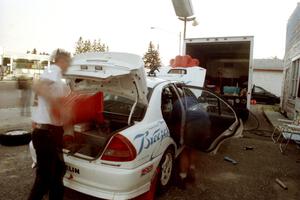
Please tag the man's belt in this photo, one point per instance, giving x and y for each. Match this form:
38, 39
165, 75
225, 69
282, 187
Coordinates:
47, 126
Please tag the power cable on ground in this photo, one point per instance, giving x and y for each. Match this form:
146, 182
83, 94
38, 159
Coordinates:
255, 130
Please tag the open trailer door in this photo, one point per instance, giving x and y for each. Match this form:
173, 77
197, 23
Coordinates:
228, 63
209, 119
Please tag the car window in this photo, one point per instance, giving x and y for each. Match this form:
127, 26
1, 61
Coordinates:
209, 102
150, 90
177, 71
113, 103
258, 90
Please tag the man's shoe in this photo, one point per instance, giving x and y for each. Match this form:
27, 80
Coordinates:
182, 183
191, 177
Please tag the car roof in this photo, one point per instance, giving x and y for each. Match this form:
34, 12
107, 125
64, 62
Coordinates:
153, 81
187, 68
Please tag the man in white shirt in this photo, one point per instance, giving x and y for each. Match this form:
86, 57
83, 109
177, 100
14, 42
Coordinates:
47, 136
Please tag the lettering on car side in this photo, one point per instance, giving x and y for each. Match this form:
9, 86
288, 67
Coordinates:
73, 169
147, 139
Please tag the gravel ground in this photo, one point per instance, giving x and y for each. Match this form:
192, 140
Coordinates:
252, 178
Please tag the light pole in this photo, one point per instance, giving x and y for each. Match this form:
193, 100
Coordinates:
184, 12
179, 35
185, 20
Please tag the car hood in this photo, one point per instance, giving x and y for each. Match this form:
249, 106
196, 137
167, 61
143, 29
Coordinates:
120, 73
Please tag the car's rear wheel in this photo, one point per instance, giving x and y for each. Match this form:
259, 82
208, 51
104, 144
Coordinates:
166, 167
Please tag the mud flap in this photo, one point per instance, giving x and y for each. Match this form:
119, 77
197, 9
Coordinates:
150, 195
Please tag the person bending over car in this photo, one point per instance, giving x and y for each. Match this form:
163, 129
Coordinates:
196, 131
47, 136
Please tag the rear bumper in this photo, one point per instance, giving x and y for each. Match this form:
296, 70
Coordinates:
108, 182
105, 194
105, 181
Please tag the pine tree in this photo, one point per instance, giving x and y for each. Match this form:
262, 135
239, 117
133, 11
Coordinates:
101, 47
95, 45
79, 46
152, 58
83, 46
87, 46
34, 51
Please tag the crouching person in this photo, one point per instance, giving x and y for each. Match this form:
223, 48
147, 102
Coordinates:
47, 136
197, 133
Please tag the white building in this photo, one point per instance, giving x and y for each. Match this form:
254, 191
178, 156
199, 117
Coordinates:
23, 63
268, 74
290, 103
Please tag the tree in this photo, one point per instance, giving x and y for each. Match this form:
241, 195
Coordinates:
79, 46
100, 47
44, 53
87, 46
83, 46
152, 58
34, 51
94, 46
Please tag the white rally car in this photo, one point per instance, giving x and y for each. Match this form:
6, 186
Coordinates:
145, 123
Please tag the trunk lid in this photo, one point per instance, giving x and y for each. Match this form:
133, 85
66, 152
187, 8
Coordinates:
110, 94
121, 73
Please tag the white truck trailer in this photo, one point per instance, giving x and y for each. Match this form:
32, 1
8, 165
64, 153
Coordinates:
228, 63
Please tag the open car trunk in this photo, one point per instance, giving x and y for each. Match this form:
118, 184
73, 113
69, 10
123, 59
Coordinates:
96, 117
109, 93
90, 138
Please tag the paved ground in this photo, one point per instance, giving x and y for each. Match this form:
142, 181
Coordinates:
9, 95
10, 118
252, 178
10, 112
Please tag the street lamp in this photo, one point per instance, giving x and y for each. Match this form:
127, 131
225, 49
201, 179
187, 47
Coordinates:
183, 8
184, 12
179, 35
187, 19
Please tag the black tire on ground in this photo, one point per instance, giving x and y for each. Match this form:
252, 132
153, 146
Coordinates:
165, 173
15, 137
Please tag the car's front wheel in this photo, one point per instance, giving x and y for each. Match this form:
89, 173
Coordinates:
166, 167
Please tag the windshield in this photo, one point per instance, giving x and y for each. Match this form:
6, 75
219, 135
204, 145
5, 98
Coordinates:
122, 106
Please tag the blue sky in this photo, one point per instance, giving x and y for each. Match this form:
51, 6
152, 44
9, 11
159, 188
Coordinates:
125, 24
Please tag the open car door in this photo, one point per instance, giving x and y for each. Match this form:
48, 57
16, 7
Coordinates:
209, 119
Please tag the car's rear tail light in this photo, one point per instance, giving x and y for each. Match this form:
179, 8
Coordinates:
119, 149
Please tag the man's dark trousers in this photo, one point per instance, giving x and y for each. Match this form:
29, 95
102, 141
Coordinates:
50, 163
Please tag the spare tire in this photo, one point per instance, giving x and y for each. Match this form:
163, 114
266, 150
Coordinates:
15, 137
